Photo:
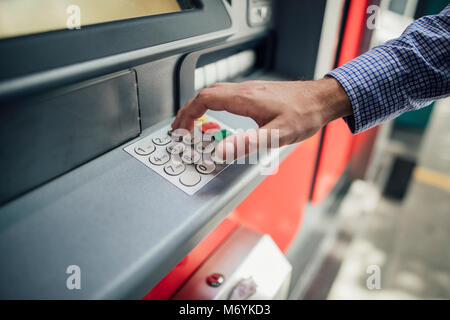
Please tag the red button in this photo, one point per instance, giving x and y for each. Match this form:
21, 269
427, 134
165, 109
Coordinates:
211, 127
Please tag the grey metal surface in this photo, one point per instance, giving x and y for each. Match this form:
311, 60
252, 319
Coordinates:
122, 224
47, 136
157, 90
84, 70
57, 77
122, 39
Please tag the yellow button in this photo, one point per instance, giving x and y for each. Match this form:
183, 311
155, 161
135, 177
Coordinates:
201, 120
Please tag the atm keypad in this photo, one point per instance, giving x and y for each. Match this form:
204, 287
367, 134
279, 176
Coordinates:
187, 161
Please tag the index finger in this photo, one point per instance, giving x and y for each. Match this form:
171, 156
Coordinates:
220, 97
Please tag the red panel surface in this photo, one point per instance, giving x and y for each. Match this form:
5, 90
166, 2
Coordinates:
336, 147
337, 139
354, 27
275, 206
183, 270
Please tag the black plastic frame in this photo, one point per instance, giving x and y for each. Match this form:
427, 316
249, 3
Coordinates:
34, 53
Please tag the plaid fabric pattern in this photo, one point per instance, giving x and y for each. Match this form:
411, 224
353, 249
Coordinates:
403, 74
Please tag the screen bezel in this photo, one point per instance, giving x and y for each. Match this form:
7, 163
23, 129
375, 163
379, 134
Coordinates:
40, 52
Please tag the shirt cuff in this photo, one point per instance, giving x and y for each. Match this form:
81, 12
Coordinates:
366, 79
350, 120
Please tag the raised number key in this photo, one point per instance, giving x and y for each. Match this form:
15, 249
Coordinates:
162, 141
205, 147
178, 134
174, 168
190, 156
206, 167
193, 137
159, 158
144, 148
176, 148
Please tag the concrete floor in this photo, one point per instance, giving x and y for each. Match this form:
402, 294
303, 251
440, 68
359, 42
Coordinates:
405, 242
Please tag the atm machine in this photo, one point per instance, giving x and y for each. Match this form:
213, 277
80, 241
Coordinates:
86, 189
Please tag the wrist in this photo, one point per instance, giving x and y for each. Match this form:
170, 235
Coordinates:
332, 99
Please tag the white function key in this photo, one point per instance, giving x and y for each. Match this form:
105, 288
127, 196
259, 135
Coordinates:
144, 148
162, 140
174, 168
206, 167
191, 156
205, 147
210, 73
199, 79
222, 70
159, 158
190, 178
175, 148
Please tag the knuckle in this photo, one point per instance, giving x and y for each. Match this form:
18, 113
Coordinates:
238, 99
203, 94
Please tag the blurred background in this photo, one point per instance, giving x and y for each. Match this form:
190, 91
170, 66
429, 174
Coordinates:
391, 216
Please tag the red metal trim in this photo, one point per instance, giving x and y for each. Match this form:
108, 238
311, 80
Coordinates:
167, 287
337, 141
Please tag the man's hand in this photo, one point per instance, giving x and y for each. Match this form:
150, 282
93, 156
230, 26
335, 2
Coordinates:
298, 109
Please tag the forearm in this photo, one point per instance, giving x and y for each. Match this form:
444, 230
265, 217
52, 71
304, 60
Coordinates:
331, 99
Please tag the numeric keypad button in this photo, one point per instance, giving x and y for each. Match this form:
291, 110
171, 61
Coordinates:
205, 147
162, 141
159, 158
174, 168
178, 134
190, 178
176, 148
191, 156
206, 167
144, 148
192, 138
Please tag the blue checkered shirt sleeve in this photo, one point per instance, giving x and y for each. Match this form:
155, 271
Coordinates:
403, 74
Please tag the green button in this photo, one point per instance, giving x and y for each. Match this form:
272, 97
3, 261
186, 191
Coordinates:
222, 134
